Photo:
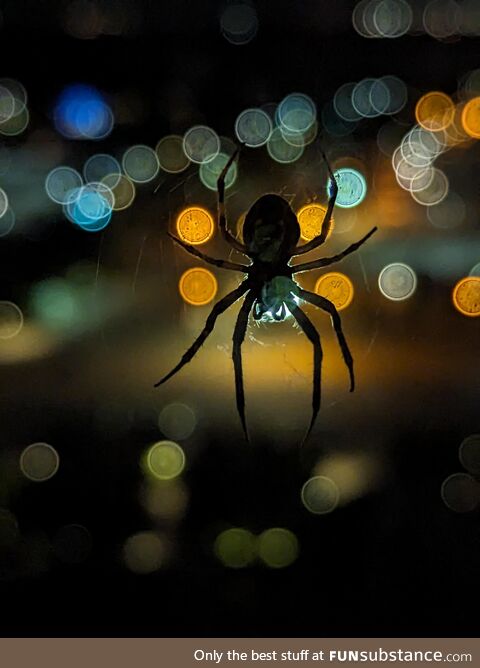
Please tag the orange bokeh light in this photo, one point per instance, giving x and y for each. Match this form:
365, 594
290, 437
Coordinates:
310, 218
336, 287
466, 296
198, 286
195, 225
471, 118
435, 111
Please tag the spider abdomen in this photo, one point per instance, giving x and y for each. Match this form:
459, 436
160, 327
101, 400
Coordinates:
277, 299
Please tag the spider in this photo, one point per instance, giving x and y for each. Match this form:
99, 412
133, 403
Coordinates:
270, 236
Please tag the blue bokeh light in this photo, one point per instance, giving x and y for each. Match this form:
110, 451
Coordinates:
88, 208
82, 113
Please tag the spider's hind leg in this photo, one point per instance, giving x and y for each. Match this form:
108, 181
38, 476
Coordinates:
329, 307
219, 308
314, 338
238, 338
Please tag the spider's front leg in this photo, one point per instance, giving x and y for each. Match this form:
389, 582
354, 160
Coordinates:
224, 264
222, 220
327, 221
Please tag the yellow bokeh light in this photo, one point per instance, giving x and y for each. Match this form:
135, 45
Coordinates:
471, 118
144, 552
165, 460
198, 286
278, 547
195, 225
310, 218
235, 548
435, 111
337, 288
466, 296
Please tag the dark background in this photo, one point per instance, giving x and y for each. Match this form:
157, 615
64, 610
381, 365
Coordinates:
396, 561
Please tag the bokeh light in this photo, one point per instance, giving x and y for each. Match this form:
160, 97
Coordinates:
177, 421
435, 111
201, 144
53, 303
320, 495
342, 102
7, 104
392, 18
39, 462
296, 113
164, 500
466, 296
60, 183
436, 190
90, 207
15, 125
278, 548
441, 18
397, 281
475, 270
144, 552
122, 189
3, 202
195, 225
352, 187
461, 492
235, 548
165, 460
140, 163
449, 213
82, 113
11, 319
281, 150
471, 118
469, 453
198, 286
363, 100
253, 127
7, 222
171, 156
210, 172
310, 218
337, 288
239, 22
99, 166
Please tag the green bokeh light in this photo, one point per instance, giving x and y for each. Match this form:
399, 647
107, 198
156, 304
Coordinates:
235, 548
278, 547
165, 460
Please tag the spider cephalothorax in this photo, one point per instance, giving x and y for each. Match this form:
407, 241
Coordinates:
270, 229
270, 236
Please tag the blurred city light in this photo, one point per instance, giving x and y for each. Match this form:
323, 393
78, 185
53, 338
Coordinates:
39, 462
198, 286
82, 113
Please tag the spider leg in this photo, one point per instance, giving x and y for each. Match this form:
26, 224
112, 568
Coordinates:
258, 311
222, 220
314, 337
224, 264
327, 220
238, 338
325, 261
326, 305
219, 308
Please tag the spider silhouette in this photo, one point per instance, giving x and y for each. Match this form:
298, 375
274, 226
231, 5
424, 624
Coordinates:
270, 236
